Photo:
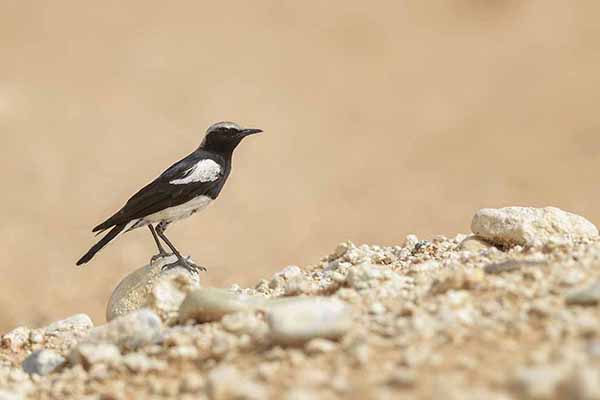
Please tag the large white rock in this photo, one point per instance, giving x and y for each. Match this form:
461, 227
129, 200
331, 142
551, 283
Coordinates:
296, 320
530, 226
150, 287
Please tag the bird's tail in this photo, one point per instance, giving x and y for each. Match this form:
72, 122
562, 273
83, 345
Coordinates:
103, 242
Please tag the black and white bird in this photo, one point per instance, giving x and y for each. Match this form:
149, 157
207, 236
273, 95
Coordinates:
186, 187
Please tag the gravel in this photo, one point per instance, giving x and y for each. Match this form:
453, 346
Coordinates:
514, 316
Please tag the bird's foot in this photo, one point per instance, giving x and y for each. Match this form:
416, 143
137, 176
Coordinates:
159, 256
184, 263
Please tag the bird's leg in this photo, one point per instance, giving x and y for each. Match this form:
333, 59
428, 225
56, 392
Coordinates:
187, 264
161, 250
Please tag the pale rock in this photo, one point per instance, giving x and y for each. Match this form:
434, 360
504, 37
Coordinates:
340, 251
411, 241
42, 362
377, 309
538, 383
512, 265
150, 287
184, 352
474, 244
240, 323
36, 336
290, 282
318, 346
100, 372
589, 296
11, 395
226, 382
212, 304
530, 226
129, 331
140, 362
303, 394
78, 322
16, 339
88, 354
402, 378
267, 370
192, 382
583, 384
298, 320
461, 279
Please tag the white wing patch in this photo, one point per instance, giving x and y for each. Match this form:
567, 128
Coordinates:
203, 171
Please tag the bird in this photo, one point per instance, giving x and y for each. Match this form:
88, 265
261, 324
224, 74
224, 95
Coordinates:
186, 187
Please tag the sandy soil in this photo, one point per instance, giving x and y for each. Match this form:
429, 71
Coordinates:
440, 319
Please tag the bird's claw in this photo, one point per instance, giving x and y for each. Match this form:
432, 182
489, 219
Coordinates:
187, 264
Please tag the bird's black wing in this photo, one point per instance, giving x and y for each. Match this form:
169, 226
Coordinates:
161, 194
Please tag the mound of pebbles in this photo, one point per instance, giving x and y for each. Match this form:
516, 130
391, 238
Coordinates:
511, 312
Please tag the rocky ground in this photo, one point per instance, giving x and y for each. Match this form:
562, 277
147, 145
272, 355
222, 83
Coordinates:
511, 312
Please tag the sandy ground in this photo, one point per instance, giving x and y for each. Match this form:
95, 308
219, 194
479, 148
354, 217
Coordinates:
441, 319
380, 120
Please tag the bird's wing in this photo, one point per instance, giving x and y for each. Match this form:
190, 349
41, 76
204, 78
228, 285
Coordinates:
191, 177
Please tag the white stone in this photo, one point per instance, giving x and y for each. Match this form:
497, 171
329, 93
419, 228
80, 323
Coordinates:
88, 354
298, 320
74, 322
211, 304
589, 296
140, 362
318, 345
150, 287
530, 226
42, 362
16, 338
538, 382
227, 382
10, 395
129, 331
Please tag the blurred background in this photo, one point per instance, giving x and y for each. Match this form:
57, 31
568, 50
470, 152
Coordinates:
380, 118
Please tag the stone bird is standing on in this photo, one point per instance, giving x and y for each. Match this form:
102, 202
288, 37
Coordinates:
184, 188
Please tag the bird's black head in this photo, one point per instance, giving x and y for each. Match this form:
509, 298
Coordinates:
223, 137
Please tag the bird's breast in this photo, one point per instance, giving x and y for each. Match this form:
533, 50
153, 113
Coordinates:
181, 211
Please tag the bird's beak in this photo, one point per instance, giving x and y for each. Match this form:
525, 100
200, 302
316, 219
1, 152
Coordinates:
247, 132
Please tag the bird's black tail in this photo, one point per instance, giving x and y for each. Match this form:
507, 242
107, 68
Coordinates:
103, 242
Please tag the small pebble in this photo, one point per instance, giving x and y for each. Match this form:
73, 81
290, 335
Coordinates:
88, 354
589, 296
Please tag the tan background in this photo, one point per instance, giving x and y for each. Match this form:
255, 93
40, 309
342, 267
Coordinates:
381, 119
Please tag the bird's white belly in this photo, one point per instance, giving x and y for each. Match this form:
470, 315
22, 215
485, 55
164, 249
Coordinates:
178, 212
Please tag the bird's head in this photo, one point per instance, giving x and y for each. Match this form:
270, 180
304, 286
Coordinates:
225, 136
